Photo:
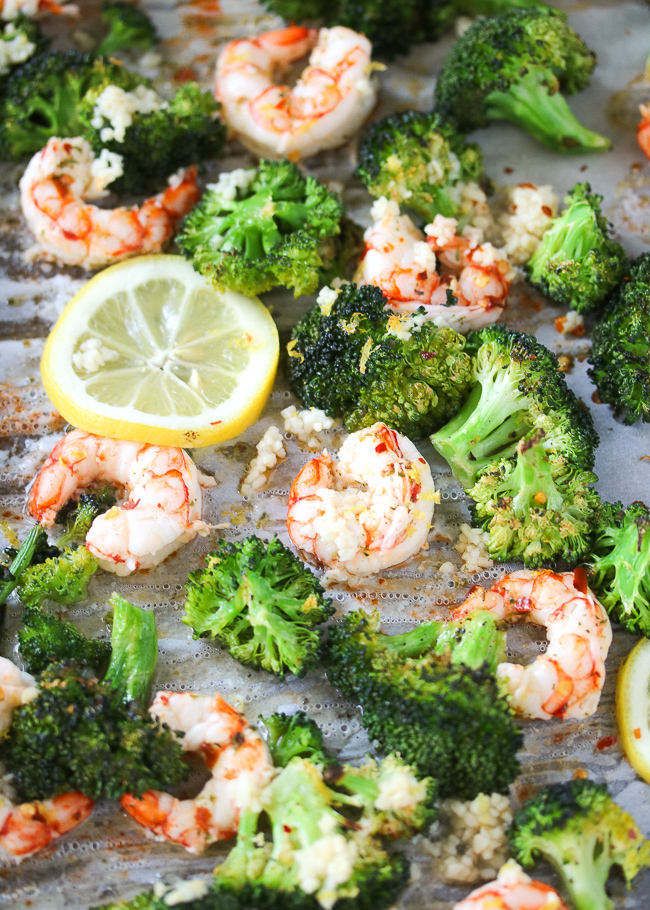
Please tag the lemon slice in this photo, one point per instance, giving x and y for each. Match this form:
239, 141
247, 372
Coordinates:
148, 351
633, 707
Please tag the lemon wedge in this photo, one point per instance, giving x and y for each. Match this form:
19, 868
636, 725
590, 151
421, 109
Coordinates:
148, 351
633, 707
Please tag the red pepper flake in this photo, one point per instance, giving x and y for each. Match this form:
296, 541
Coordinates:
185, 74
606, 742
215, 423
381, 448
528, 186
637, 733
131, 504
632, 834
508, 170
547, 211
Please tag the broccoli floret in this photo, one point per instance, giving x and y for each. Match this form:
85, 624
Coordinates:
63, 579
582, 833
95, 736
183, 131
254, 230
576, 263
431, 696
293, 736
532, 516
128, 27
343, 359
515, 66
42, 98
262, 603
78, 515
46, 639
416, 160
620, 349
518, 390
24, 40
620, 564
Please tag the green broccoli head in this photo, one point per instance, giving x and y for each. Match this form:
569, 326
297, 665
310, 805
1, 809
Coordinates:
576, 263
620, 564
293, 736
63, 579
77, 515
46, 639
256, 229
518, 388
23, 39
262, 603
579, 829
183, 131
344, 359
42, 98
415, 159
620, 349
128, 27
531, 515
431, 696
514, 66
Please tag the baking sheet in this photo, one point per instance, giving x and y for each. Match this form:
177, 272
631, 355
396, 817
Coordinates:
109, 856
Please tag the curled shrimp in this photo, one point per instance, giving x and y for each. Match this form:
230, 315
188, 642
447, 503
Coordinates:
402, 262
565, 681
327, 106
10, 9
16, 688
53, 194
643, 129
163, 510
513, 890
26, 828
239, 762
366, 512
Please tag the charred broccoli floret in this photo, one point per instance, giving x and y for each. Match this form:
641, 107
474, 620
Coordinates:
344, 359
620, 564
94, 736
532, 516
22, 39
268, 226
293, 736
579, 829
128, 27
45, 639
515, 66
262, 603
78, 515
431, 696
418, 161
518, 390
576, 263
620, 349
63, 579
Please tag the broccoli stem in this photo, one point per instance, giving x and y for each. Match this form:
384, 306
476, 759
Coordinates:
134, 653
416, 642
584, 867
19, 564
472, 643
535, 103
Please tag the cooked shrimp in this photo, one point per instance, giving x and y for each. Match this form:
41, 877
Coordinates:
237, 757
28, 827
10, 9
323, 110
643, 129
368, 511
513, 890
16, 688
399, 260
53, 193
163, 510
565, 681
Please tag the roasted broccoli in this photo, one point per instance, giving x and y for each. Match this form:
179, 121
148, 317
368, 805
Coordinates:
576, 263
620, 349
269, 226
515, 66
128, 27
95, 736
45, 639
42, 98
262, 603
620, 564
518, 389
22, 39
63, 579
532, 516
78, 515
418, 161
33, 550
344, 359
293, 736
431, 696
160, 139
582, 833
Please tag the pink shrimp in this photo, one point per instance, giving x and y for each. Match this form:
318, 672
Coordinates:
565, 681
513, 890
53, 191
26, 828
237, 757
323, 110
163, 510
643, 129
